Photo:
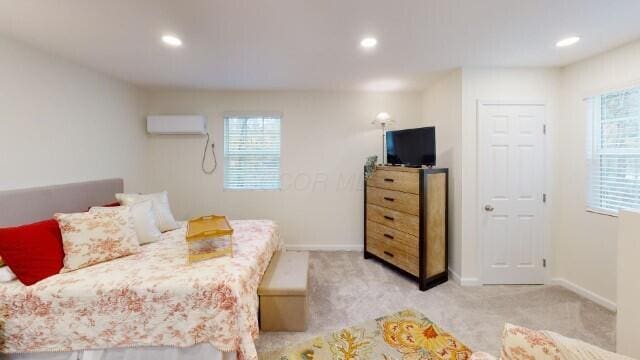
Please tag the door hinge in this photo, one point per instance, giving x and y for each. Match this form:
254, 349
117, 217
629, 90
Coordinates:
544, 197
544, 263
544, 128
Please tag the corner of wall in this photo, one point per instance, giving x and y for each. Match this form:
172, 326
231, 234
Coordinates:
87, 124
441, 107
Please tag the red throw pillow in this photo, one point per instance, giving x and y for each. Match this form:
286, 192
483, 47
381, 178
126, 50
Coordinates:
33, 252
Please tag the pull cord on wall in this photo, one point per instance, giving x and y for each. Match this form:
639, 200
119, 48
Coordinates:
204, 156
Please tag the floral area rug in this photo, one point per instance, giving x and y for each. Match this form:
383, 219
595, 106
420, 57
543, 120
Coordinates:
406, 335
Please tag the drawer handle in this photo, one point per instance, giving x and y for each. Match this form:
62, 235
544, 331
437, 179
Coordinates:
389, 199
389, 217
388, 180
388, 236
388, 253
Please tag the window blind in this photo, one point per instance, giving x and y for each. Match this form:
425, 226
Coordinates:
614, 153
252, 153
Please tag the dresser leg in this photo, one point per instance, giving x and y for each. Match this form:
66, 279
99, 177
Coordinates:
367, 255
434, 281
423, 284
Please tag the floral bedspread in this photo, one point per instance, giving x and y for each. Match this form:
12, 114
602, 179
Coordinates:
153, 298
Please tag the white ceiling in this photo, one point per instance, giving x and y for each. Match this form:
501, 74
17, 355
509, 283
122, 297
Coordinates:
313, 44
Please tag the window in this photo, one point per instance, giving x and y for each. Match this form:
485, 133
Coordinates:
614, 152
252, 153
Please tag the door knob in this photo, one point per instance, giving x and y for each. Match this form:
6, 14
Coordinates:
488, 207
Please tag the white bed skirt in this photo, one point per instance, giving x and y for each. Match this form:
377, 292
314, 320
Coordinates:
196, 352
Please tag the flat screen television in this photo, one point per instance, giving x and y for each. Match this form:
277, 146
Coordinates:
412, 147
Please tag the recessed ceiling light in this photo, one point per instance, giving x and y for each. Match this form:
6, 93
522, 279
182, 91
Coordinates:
172, 40
369, 42
568, 41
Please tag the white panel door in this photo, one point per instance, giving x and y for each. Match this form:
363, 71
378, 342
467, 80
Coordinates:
511, 183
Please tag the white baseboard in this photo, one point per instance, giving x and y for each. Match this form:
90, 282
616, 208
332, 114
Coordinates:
470, 282
463, 281
454, 276
316, 247
585, 293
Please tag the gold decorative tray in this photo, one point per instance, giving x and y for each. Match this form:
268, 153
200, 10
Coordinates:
209, 237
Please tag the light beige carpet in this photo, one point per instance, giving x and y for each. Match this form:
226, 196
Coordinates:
404, 335
345, 290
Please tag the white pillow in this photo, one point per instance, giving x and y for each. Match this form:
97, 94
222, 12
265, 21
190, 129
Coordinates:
161, 210
6, 274
143, 220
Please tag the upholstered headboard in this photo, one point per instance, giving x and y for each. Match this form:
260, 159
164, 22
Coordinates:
25, 206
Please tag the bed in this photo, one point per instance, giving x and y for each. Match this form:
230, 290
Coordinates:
151, 304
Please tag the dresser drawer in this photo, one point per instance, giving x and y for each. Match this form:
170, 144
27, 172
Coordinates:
401, 240
395, 200
394, 219
404, 181
393, 255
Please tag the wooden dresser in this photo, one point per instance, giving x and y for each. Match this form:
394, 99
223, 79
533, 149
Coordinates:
405, 221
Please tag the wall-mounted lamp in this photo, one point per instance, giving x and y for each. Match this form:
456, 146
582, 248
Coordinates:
383, 119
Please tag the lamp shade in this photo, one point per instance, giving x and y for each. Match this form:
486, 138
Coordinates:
383, 119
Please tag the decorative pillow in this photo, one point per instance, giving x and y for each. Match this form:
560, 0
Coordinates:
33, 252
161, 210
97, 236
520, 343
106, 205
6, 274
143, 221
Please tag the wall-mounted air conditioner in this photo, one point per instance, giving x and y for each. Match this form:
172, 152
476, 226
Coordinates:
177, 124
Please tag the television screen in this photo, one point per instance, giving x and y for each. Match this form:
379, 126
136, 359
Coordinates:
412, 147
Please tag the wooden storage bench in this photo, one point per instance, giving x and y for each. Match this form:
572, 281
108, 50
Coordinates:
284, 300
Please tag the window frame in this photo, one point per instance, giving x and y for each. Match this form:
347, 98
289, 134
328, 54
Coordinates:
595, 150
263, 115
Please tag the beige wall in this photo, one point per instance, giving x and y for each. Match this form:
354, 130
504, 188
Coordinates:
62, 123
442, 108
628, 295
582, 251
585, 242
326, 137
495, 84
451, 105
